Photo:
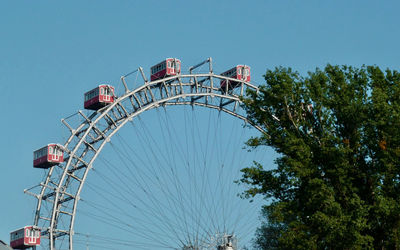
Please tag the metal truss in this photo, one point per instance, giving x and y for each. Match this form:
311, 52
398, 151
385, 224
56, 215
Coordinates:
60, 191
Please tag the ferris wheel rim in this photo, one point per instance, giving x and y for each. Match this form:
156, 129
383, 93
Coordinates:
92, 121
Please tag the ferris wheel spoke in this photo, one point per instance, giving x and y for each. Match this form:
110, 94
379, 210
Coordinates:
202, 191
182, 191
197, 191
154, 212
223, 177
205, 170
174, 202
118, 210
226, 188
178, 185
116, 241
111, 220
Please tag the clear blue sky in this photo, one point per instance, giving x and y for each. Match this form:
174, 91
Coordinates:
52, 52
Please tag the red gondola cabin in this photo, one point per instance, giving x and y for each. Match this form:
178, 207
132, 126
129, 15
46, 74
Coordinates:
240, 72
99, 97
48, 156
25, 237
168, 67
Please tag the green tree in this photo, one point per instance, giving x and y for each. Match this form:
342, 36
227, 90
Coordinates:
337, 133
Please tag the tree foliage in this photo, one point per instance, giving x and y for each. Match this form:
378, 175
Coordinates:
336, 184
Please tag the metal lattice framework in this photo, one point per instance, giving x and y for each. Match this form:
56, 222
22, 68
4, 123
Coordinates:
62, 187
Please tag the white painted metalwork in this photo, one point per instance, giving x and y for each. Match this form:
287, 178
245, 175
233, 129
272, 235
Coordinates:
62, 187
227, 242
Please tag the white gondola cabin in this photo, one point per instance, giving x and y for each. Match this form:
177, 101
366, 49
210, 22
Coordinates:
168, 67
99, 97
240, 72
48, 156
26, 237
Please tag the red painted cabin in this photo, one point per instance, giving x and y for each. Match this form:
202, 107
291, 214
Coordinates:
25, 237
240, 72
99, 97
48, 156
168, 67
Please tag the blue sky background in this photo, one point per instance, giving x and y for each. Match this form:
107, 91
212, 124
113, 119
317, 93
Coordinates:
52, 52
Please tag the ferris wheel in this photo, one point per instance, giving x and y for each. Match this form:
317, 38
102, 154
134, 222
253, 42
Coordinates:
163, 159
